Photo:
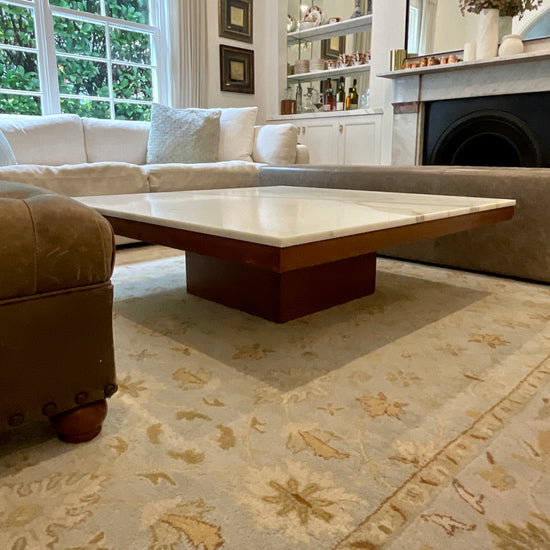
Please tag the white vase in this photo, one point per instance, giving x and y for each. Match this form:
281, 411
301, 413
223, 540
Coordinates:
511, 45
487, 34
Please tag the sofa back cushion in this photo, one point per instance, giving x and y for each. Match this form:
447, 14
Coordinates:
237, 133
275, 144
51, 140
7, 158
115, 140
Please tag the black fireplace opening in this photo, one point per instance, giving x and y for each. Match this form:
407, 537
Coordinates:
505, 130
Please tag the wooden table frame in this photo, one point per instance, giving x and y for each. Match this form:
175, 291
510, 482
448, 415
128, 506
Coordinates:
281, 284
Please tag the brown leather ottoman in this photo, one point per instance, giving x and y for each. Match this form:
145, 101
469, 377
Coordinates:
56, 300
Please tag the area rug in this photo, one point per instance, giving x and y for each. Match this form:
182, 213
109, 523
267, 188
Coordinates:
417, 418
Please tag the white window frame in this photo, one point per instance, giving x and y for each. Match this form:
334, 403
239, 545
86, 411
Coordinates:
47, 58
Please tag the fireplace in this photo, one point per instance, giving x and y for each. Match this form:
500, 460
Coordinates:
500, 130
491, 112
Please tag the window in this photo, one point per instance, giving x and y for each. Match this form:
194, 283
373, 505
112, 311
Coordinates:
96, 58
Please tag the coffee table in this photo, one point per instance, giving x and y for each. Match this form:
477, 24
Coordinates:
284, 252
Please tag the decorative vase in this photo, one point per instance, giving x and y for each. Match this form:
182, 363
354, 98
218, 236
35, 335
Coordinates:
504, 26
511, 45
487, 34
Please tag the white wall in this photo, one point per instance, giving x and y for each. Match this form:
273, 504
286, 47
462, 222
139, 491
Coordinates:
263, 68
388, 33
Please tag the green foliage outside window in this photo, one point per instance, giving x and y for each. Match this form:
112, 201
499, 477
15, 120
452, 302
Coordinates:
86, 107
20, 105
78, 76
90, 6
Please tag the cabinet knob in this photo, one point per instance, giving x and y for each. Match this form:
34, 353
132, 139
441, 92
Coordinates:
303, 129
341, 128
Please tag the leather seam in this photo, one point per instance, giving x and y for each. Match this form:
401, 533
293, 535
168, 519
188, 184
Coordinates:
35, 249
39, 296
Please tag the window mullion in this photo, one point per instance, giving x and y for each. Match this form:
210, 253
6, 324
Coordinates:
47, 60
109, 67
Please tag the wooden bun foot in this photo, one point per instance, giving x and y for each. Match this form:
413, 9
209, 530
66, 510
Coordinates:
81, 424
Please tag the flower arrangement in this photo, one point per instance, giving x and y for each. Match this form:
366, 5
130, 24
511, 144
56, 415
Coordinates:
505, 7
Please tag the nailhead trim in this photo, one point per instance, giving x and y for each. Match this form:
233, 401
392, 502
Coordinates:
49, 409
81, 398
16, 420
110, 389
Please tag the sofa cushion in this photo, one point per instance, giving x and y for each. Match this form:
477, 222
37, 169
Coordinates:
183, 135
7, 157
116, 140
275, 144
53, 140
76, 180
237, 133
219, 175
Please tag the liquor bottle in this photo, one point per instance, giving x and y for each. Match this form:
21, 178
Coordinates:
354, 96
329, 103
341, 95
348, 100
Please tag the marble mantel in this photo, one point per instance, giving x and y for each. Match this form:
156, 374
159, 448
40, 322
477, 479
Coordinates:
524, 73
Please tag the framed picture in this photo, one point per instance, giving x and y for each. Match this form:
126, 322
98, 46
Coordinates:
331, 48
236, 70
235, 19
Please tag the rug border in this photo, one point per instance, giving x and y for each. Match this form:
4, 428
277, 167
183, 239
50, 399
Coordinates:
395, 512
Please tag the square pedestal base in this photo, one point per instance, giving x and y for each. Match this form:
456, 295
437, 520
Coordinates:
280, 297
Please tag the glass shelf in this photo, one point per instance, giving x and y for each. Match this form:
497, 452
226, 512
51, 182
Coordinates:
322, 75
349, 26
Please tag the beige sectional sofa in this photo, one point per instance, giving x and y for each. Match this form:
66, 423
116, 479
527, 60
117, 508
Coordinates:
83, 156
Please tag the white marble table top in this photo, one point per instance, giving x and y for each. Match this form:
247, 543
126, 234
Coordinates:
286, 216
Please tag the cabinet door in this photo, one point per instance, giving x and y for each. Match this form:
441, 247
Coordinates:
360, 140
321, 138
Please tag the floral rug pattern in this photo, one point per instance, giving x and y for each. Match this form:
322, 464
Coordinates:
417, 418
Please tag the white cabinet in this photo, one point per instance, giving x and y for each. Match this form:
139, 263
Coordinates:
341, 139
360, 139
321, 137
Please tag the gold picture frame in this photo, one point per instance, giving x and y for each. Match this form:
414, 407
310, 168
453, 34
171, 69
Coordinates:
236, 70
331, 48
235, 19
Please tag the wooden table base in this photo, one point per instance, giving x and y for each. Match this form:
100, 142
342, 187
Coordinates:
280, 297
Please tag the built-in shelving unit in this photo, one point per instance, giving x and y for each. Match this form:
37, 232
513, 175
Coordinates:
333, 137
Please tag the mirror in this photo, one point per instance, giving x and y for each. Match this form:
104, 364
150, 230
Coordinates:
437, 26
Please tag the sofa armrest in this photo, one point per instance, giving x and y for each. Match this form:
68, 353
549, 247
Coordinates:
302, 154
50, 242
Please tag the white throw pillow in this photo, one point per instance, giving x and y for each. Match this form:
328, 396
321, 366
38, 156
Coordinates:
275, 144
52, 140
183, 135
237, 133
116, 140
